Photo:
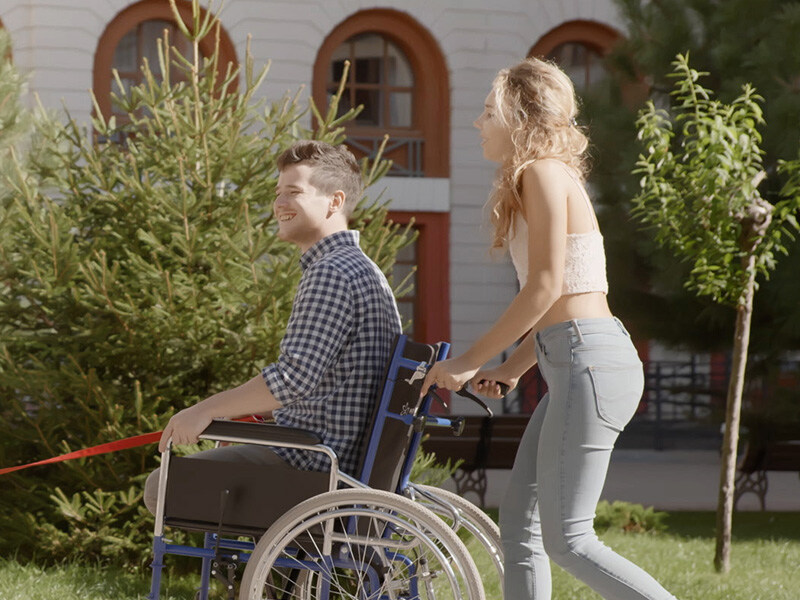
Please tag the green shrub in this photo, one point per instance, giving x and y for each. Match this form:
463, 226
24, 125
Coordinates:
138, 278
426, 469
629, 517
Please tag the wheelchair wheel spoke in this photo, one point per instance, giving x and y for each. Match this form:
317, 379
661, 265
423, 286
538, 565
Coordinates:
360, 545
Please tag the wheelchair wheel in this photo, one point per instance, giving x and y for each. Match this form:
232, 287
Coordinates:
479, 533
360, 544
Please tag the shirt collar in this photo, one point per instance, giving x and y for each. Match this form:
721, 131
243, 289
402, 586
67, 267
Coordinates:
327, 244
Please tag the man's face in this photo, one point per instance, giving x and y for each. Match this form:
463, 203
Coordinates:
305, 215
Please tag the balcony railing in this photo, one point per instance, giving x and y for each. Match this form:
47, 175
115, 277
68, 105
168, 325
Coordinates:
405, 152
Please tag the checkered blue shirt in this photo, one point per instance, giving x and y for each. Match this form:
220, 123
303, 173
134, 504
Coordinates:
332, 360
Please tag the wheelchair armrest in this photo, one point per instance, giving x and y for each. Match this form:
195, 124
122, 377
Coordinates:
236, 431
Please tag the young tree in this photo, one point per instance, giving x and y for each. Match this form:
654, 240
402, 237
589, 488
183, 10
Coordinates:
737, 41
137, 277
700, 191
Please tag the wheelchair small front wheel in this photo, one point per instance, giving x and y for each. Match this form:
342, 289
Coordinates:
360, 544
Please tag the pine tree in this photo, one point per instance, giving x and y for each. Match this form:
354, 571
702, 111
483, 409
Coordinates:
140, 272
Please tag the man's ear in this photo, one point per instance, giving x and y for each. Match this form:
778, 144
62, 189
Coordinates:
337, 202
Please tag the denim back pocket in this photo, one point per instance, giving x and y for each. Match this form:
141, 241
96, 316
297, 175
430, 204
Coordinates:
617, 392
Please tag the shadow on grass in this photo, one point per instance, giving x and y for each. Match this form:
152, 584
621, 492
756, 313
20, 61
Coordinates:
746, 525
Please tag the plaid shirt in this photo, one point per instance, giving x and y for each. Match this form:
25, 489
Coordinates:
333, 356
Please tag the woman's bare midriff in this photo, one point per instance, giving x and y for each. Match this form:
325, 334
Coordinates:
591, 305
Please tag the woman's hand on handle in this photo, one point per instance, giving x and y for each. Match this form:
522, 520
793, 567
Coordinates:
487, 382
451, 374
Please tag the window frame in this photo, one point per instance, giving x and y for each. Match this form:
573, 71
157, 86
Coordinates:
594, 34
387, 89
432, 293
131, 17
431, 98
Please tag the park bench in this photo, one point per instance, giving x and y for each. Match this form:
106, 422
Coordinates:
485, 443
769, 447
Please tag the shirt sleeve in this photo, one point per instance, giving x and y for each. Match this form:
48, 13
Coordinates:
319, 327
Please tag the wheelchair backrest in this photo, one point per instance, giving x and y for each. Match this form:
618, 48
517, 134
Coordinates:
389, 448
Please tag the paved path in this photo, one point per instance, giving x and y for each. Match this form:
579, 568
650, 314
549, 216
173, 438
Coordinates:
672, 480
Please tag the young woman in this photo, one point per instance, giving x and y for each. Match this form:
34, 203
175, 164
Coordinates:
542, 214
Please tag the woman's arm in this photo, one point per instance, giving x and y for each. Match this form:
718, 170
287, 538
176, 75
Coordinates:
544, 194
523, 357
486, 381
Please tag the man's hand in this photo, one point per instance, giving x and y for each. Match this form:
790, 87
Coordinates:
449, 374
252, 397
184, 427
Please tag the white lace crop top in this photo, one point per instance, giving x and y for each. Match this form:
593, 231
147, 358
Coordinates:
584, 264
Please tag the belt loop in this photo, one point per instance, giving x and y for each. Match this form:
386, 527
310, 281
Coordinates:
577, 330
621, 327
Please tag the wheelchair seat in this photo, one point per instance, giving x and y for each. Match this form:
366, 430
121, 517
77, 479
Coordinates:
234, 498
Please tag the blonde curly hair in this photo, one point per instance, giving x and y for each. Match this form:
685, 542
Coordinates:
536, 100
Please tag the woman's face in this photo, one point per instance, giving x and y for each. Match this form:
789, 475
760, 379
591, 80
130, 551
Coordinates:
495, 135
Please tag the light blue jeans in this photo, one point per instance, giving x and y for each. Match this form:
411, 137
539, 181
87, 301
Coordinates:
595, 381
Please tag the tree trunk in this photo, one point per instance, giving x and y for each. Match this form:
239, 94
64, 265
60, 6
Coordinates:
744, 313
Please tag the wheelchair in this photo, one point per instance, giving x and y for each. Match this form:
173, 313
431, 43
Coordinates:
305, 535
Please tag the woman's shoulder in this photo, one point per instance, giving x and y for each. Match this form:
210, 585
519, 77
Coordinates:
549, 173
548, 166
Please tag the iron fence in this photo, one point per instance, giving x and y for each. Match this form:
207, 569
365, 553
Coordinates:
683, 404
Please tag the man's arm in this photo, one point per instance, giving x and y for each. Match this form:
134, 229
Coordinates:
320, 325
253, 397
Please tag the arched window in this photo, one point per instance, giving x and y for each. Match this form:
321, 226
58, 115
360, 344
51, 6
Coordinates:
399, 75
132, 36
582, 62
381, 79
578, 47
140, 44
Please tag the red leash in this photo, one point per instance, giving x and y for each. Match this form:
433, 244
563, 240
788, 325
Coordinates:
124, 444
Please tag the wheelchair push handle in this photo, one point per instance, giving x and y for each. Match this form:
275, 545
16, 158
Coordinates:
504, 387
465, 393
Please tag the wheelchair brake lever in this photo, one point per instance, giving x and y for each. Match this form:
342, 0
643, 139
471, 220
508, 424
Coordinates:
439, 399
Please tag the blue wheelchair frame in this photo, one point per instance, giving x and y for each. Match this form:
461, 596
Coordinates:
216, 545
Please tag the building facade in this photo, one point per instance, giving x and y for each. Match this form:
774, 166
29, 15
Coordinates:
421, 68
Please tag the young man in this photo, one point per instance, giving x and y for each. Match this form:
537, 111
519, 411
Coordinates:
339, 336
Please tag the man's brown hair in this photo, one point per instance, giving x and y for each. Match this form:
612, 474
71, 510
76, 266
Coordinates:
334, 168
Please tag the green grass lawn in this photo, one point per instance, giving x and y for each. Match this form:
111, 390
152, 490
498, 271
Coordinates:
765, 560
81, 582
